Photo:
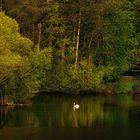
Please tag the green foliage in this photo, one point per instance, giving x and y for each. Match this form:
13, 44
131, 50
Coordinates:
120, 35
90, 78
108, 38
21, 69
85, 78
40, 63
124, 86
12, 45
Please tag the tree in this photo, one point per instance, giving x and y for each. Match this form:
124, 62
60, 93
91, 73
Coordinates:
19, 65
13, 51
96, 40
119, 37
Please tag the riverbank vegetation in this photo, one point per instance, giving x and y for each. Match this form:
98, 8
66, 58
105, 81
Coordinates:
66, 45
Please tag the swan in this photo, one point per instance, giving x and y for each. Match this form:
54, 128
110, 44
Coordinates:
76, 106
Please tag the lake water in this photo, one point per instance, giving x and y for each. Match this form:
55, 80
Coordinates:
112, 117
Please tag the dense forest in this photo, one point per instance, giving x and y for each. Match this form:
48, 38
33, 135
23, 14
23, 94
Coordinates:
66, 45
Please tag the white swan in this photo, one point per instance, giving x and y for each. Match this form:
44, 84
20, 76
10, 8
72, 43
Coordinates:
76, 106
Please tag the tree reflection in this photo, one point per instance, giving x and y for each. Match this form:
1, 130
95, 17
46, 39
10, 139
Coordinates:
58, 111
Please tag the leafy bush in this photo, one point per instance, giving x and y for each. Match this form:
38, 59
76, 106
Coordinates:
123, 86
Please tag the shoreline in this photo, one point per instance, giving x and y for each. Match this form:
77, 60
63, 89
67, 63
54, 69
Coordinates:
69, 94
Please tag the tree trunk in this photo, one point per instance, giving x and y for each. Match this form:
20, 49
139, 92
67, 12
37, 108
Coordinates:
77, 40
89, 51
39, 37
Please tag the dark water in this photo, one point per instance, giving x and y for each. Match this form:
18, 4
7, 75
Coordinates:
53, 118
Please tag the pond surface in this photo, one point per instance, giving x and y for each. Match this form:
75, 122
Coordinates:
53, 117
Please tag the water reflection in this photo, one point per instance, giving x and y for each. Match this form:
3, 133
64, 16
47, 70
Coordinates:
53, 117
99, 111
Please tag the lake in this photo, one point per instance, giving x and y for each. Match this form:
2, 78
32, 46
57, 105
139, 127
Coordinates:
104, 117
